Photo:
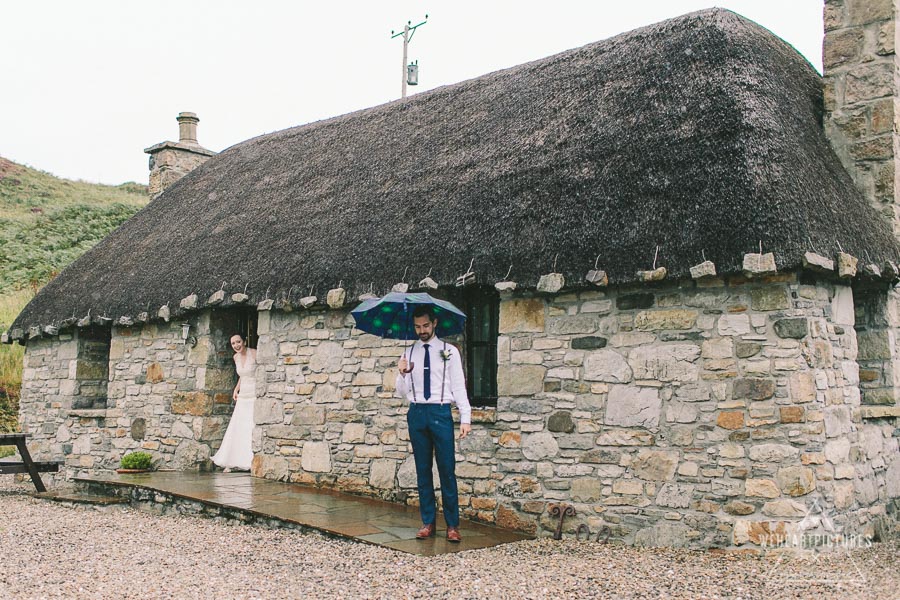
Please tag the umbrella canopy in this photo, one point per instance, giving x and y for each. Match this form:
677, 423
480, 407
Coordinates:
391, 316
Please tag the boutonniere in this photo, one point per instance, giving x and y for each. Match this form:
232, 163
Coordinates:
445, 355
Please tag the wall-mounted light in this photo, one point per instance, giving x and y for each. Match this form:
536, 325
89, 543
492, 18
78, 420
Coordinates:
186, 335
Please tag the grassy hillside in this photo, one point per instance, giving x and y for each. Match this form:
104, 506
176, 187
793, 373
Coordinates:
45, 224
10, 361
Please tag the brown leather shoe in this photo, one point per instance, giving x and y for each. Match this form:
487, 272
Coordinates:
453, 534
426, 532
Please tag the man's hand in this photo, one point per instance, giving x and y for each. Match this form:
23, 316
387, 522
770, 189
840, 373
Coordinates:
405, 366
464, 430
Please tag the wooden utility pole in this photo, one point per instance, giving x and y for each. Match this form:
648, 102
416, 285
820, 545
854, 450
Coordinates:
408, 31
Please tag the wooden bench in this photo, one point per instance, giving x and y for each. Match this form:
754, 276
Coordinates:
26, 465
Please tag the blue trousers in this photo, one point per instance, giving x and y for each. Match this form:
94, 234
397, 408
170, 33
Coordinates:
431, 434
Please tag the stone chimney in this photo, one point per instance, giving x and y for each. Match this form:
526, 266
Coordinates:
170, 161
860, 95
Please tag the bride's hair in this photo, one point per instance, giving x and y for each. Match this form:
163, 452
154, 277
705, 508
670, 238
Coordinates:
243, 339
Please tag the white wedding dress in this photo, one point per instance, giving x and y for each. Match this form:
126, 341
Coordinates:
236, 450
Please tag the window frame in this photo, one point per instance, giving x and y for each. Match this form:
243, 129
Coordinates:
466, 299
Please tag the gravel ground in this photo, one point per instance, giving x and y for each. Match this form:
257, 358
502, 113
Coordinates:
53, 551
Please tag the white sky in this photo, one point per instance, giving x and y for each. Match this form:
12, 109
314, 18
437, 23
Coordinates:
87, 85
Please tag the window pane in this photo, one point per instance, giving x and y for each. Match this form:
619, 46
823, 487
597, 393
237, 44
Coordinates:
480, 321
483, 379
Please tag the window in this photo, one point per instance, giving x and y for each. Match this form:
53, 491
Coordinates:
478, 344
247, 321
876, 357
92, 367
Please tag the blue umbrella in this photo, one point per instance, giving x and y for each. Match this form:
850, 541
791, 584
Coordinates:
391, 316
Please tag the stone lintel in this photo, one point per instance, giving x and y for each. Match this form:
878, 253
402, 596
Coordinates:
88, 413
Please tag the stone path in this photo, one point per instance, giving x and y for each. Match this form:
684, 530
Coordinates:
365, 519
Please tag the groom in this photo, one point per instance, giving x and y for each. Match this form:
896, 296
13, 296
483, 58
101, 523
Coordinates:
431, 378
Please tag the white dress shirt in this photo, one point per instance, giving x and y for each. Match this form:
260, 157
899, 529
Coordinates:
447, 378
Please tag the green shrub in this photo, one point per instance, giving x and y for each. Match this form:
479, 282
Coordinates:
137, 460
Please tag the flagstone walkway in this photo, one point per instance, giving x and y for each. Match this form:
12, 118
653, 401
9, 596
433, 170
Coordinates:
364, 519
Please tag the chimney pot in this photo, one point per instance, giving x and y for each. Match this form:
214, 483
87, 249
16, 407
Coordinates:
187, 127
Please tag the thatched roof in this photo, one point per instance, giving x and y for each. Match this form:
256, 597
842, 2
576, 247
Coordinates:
701, 134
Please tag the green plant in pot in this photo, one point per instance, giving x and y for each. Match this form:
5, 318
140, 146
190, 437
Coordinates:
135, 462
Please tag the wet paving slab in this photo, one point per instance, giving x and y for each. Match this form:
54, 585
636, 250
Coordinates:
363, 519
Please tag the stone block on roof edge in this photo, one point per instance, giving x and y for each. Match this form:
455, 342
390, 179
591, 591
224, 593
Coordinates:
336, 297
817, 262
657, 274
308, 301
189, 302
216, 298
551, 283
239, 298
400, 287
847, 265
505, 286
872, 270
164, 313
705, 269
428, 283
597, 277
265, 305
759, 264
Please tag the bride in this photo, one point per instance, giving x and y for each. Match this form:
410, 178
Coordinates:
235, 451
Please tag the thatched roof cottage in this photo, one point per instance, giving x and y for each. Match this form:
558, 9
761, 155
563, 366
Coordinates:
672, 246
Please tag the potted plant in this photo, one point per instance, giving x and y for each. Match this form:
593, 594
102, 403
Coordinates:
135, 462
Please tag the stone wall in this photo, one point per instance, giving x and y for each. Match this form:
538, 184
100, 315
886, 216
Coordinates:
163, 396
860, 77
709, 414
48, 393
326, 412
861, 87
701, 416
